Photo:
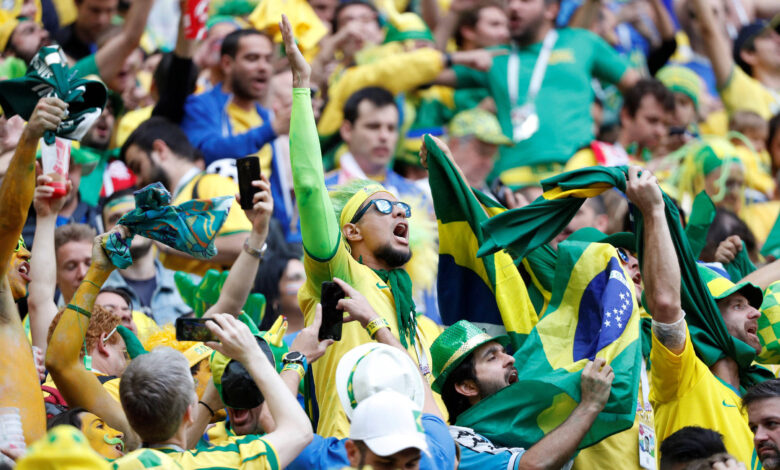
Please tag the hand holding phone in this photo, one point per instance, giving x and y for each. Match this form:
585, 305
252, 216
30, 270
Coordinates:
248, 171
193, 329
332, 317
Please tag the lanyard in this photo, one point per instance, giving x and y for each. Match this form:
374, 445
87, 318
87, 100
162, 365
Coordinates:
645, 387
513, 70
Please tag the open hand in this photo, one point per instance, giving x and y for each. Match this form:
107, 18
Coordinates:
308, 343
300, 68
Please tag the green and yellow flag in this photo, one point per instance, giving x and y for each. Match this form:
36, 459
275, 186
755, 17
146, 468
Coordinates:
769, 326
592, 313
488, 291
520, 231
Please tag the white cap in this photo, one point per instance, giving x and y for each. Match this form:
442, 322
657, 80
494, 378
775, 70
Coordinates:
388, 422
372, 367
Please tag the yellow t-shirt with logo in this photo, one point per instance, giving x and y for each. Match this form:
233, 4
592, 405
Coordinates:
208, 186
333, 420
744, 93
242, 121
241, 452
684, 392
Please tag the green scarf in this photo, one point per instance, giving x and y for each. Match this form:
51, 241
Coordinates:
401, 287
520, 231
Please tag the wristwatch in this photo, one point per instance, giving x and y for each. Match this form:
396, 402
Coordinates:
295, 357
253, 251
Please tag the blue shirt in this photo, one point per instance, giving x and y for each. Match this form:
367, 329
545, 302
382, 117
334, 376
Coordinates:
331, 453
166, 305
478, 453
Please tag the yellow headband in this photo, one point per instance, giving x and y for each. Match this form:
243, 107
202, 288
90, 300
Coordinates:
357, 200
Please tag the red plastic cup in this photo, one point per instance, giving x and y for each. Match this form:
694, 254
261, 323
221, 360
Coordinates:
195, 15
55, 160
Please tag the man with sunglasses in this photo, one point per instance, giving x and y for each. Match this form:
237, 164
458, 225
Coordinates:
359, 234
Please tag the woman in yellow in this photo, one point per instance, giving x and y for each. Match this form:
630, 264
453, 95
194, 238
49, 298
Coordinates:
364, 241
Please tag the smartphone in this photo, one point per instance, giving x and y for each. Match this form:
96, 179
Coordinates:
332, 318
248, 171
193, 329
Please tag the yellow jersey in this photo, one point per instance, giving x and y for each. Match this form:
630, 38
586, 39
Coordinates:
744, 93
242, 121
684, 392
242, 452
333, 420
207, 186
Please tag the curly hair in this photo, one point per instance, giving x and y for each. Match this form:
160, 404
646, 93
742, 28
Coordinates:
102, 321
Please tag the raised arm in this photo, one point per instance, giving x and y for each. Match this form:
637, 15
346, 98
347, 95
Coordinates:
660, 267
293, 430
111, 57
319, 227
77, 385
43, 273
240, 281
16, 191
764, 275
559, 446
716, 43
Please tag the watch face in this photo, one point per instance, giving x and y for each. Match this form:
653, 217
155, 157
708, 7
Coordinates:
293, 356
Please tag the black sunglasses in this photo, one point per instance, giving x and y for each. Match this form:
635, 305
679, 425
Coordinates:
384, 206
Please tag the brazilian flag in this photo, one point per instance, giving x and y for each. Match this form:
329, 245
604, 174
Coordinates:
488, 291
592, 313
520, 231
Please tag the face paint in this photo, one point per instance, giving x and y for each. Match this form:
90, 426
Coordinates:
104, 439
19, 270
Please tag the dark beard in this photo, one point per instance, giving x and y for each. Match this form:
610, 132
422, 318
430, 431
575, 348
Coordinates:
239, 90
394, 258
159, 175
137, 252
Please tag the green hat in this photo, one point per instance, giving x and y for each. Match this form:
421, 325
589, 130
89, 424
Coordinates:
681, 79
231, 379
454, 345
625, 240
720, 287
481, 124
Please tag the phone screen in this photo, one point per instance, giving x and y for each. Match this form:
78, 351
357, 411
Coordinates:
193, 329
248, 170
332, 318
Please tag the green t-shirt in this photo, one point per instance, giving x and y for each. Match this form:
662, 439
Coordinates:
564, 100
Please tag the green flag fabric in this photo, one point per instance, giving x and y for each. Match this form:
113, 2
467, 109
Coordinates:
522, 230
592, 313
488, 291
699, 221
49, 75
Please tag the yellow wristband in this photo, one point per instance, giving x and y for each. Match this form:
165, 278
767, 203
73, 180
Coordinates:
376, 325
296, 367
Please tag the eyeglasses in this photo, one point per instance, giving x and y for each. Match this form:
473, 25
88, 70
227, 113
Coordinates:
384, 206
623, 255
19, 245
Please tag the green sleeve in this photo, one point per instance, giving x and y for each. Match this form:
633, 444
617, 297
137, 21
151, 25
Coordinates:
86, 66
319, 227
608, 65
466, 77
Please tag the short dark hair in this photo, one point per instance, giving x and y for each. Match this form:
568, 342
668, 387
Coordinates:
774, 130
158, 127
230, 43
346, 4
454, 401
121, 292
377, 96
162, 80
765, 389
688, 444
470, 18
69, 418
647, 86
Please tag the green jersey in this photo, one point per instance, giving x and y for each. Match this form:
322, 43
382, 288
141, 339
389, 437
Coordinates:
563, 102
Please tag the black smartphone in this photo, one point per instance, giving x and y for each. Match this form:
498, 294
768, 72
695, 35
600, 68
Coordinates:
332, 318
248, 171
193, 329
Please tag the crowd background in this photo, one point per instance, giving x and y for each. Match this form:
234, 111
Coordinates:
474, 174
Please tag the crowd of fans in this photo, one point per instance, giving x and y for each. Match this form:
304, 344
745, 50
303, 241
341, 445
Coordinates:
554, 224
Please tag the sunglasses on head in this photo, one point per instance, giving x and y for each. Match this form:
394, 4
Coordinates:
20, 244
384, 206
